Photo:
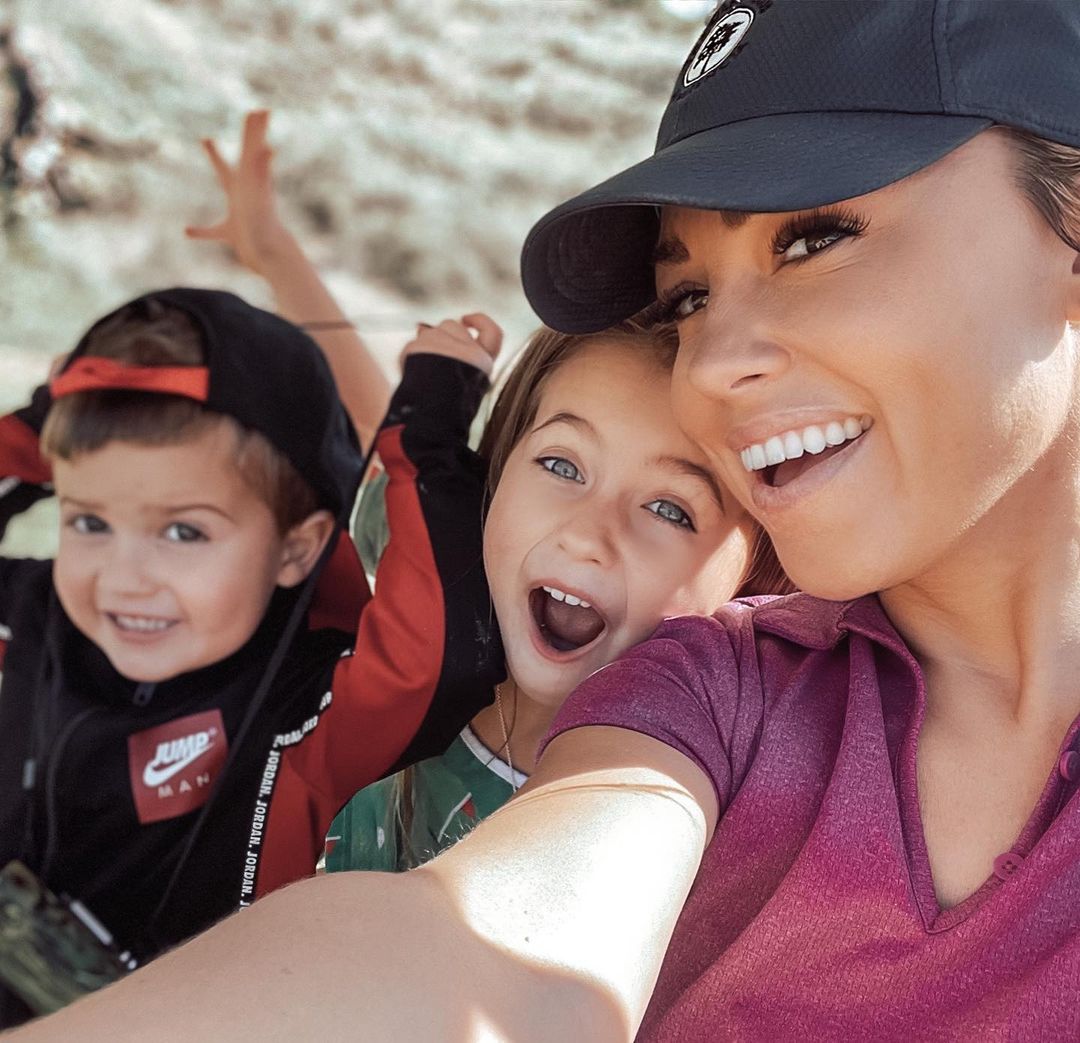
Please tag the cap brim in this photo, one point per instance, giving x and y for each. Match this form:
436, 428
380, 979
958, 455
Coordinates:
588, 264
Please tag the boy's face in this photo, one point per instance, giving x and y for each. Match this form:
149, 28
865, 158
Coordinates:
167, 557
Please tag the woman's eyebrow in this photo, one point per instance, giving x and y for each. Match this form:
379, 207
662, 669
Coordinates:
573, 419
672, 250
688, 467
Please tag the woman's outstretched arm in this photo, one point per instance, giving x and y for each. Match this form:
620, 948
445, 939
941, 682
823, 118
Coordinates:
548, 922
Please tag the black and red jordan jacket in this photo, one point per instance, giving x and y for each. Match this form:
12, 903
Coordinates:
102, 779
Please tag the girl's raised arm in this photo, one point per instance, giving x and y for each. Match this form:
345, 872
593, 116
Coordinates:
549, 922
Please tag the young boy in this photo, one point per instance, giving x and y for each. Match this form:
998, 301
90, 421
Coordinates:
179, 728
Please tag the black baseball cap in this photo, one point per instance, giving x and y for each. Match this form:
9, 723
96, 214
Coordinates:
259, 369
790, 104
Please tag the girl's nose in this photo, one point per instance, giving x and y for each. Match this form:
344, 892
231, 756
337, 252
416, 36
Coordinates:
589, 536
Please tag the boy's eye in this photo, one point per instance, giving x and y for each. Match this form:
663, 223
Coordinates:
179, 532
561, 468
88, 524
671, 512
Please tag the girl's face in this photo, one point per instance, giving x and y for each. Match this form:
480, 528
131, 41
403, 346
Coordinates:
606, 520
922, 328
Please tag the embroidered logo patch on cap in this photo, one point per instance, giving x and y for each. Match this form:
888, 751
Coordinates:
173, 766
719, 43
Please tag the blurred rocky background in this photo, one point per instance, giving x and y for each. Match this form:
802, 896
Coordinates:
416, 142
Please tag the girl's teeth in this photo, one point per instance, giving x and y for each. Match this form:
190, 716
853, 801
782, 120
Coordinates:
570, 599
813, 439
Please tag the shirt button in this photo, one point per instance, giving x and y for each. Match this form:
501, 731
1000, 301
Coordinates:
1069, 766
1007, 864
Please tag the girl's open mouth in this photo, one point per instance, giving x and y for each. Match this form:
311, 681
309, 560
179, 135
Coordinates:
788, 456
564, 621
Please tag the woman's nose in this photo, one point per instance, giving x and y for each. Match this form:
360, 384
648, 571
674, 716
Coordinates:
733, 351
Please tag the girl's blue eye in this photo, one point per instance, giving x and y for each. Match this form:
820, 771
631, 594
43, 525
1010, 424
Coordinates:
179, 532
561, 468
671, 512
88, 524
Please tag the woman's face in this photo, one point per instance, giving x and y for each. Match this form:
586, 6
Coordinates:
605, 521
921, 327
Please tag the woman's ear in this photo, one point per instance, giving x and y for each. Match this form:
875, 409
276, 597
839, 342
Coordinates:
303, 544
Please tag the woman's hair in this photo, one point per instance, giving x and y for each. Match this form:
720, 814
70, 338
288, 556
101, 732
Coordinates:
1049, 175
154, 334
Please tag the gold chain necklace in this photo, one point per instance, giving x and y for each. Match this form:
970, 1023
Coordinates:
506, 737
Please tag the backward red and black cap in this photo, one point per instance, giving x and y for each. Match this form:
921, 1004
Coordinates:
792, 104
260, 369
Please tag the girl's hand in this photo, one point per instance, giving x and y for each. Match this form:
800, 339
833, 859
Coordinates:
475, 339
251, 226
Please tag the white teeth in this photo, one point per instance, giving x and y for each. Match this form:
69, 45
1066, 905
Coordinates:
834, 433
570, 599
813, 439
142, 624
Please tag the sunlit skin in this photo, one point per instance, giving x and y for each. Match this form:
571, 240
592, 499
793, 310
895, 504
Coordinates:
607, 499
168, 558
944, 319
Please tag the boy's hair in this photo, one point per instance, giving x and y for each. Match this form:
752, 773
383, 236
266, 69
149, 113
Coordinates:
157, 334
515, 410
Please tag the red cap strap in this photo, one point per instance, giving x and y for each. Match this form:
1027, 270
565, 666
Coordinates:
93, 373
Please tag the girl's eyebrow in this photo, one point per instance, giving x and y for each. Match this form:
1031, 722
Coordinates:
572, 419
693, 470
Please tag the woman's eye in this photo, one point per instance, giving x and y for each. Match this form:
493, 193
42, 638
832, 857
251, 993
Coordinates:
179, 532
671, 512
811, 233
810, 244
88, 524
681, 304
561, 468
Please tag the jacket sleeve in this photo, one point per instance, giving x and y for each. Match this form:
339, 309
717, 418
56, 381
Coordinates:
24, 476
427, 653
24, 479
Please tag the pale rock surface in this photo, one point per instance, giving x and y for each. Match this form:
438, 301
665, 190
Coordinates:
416, 142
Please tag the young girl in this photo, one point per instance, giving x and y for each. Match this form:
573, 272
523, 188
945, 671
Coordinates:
603, 522
666, 553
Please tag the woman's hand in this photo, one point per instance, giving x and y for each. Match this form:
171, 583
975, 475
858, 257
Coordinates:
475, 338
251, 226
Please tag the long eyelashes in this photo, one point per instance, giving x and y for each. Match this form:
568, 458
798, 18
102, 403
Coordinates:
812, 232
822, 227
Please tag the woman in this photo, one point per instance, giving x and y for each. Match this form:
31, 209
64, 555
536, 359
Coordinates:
879, 791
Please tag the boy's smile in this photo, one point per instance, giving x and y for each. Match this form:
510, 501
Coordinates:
167, 558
